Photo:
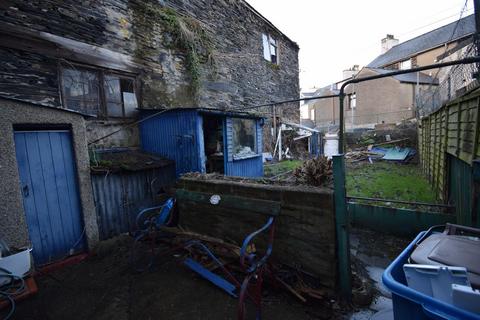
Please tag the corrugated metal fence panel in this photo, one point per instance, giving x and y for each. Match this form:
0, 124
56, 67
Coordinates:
229, 139
174, 135
120, 196
251, 167
461, 187
259, 137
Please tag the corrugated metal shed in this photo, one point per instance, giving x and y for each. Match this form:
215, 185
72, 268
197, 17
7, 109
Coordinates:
178, 135
119, 196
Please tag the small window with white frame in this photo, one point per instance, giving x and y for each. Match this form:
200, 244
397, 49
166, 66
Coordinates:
406, 64
270, 48
353, 101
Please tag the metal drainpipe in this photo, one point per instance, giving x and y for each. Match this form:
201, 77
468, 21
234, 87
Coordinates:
342, 122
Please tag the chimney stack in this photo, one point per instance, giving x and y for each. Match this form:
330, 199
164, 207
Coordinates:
351, 72
388, 42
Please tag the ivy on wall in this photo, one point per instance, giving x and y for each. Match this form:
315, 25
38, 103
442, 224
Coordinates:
178, 32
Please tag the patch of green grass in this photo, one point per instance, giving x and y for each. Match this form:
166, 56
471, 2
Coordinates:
271, 170
387, 180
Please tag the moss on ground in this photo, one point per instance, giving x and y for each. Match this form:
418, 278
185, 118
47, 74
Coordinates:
388, 180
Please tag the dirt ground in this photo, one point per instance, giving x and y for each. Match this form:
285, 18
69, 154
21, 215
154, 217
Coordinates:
104, 287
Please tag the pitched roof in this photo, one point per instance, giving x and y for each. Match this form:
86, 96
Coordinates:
426, 41
409, 77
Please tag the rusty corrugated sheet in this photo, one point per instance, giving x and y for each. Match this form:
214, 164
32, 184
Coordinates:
120, 196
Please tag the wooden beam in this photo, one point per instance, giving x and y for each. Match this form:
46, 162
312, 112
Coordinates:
21, 38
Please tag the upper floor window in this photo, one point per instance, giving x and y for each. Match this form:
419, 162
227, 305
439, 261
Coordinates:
353, 101
98, 92
270, 49
405, 64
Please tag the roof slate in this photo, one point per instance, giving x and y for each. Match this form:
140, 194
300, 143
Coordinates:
426, 41
409, 77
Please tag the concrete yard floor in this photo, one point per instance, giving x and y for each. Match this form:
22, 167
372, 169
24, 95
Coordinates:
104, 287
375, 251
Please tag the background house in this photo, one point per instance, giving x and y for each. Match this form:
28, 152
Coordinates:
88, 69
396, 98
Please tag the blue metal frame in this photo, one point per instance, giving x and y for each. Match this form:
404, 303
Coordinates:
161, 218
251, 258
254, 267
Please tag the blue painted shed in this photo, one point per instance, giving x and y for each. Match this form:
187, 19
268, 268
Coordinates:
205, 140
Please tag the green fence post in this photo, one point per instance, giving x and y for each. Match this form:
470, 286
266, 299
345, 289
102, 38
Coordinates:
342, 227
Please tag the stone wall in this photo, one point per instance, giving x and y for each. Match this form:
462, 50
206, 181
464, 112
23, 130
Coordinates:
305, 227
225, 71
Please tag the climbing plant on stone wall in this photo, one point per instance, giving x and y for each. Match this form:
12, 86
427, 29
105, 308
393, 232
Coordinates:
175, 31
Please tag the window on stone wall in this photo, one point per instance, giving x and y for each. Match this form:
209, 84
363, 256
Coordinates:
98, 93
119, 96
81, 90
244, 138
270, 48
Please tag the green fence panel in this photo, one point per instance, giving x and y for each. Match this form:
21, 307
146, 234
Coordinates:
400, 222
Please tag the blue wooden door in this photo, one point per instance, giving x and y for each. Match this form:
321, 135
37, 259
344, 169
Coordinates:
50, 194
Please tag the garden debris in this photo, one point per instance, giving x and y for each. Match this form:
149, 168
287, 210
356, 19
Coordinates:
395, 153
387, 142
355, 156
316, 172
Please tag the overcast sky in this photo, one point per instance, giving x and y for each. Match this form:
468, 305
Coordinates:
335, 35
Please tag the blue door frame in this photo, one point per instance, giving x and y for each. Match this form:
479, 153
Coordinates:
48, 182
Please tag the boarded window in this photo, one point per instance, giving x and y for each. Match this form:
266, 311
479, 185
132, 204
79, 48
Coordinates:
83, 89
244, 138
119, 96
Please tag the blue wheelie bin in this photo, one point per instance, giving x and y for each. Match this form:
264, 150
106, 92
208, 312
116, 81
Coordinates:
411, 304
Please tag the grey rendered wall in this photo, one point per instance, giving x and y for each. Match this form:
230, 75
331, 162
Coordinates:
13, 226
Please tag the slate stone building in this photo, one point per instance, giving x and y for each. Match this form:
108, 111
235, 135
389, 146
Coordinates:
72, 72
107, 58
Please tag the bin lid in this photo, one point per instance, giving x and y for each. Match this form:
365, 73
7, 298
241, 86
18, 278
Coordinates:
450, 250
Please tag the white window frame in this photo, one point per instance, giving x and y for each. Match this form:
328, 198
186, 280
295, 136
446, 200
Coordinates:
270, 48
405, 64
353, 101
